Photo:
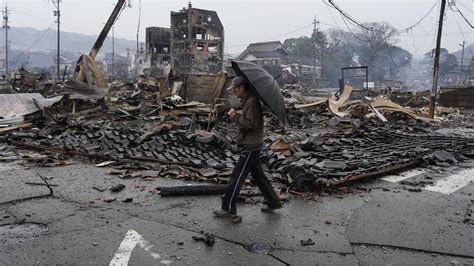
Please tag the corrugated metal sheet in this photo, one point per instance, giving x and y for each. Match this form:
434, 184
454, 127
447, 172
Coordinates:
15, 105
83, 91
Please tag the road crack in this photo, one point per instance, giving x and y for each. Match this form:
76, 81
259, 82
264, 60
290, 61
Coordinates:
412, 249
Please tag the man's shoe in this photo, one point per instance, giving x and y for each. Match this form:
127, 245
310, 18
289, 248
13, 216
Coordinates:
271, 208
223, 214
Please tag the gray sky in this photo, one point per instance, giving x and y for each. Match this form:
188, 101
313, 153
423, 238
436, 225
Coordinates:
247, 21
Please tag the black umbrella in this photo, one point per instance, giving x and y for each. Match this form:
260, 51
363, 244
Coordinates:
264, 85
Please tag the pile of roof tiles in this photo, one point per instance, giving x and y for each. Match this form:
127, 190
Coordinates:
318, 160
333, 159
209, 152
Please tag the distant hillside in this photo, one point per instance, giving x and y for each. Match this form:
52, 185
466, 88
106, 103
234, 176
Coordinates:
45, 40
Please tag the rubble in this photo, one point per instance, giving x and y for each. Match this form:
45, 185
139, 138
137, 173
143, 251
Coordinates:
307, 242
192, 190
14, 107
206, 238
145, 129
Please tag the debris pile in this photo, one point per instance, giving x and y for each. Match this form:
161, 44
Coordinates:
328, 141
207, 153
333, 159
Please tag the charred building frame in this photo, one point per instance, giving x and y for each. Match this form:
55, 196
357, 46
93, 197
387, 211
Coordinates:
197, 41
158, 42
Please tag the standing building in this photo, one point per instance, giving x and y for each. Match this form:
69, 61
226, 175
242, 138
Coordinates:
197, 41
158, 48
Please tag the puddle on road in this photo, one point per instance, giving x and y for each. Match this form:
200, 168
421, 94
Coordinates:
18, 233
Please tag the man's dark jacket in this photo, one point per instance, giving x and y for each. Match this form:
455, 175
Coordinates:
250, 124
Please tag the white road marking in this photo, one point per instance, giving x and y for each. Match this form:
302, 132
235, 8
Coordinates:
453, 182
131, 240
404, 175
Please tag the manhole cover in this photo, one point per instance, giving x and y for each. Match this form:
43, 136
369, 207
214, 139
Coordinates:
17, 233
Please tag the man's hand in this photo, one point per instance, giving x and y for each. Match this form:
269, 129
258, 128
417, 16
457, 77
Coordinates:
232, 113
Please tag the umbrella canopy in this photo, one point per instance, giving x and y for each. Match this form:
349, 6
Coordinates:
264, 86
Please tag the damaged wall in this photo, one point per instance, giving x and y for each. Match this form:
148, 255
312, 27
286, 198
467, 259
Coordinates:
197, 41
158, 46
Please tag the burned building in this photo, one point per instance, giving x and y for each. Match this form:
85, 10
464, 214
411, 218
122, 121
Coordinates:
197, 41
158, 42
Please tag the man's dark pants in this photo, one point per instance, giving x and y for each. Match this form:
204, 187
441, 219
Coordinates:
249, 162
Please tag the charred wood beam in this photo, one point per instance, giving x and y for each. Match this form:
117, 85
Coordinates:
192, 190
103, 35
385, 170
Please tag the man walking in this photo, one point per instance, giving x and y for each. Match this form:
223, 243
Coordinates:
249, 141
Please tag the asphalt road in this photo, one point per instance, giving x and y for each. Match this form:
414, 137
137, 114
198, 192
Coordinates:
381, 222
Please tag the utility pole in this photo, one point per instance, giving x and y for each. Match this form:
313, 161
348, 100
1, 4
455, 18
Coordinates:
113, 51
57, 13
434, 88
5, 13
139, 20
462, 59
190, 41
315, 34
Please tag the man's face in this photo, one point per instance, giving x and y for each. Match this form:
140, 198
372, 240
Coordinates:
239, 91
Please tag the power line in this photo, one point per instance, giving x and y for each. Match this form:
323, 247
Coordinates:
463, 37
462, 15
419, 21
285, 34
347, 15
360, 24
453, 4
371, 44
349, 43
34, 43
348, 28
466, 7
276, 37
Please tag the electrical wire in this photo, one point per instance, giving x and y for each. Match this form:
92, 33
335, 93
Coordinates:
276, 37
347, 15
466, 7
349, 29
372, 45
349, 43
285, 34
453, 5
356, 22
467, 21
291, 32
464, 37
18, 43
34, 43
419, 21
